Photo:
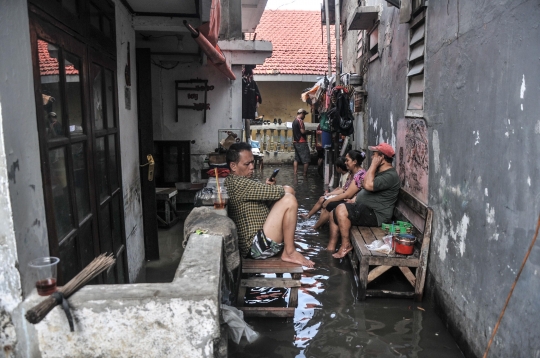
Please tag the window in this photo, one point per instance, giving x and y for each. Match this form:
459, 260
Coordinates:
417, 6
415, 75
374, 44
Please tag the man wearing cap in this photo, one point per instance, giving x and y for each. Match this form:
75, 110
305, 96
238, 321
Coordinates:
373, 206
301, 148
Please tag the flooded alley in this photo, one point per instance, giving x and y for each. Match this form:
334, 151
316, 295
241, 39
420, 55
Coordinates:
329, 321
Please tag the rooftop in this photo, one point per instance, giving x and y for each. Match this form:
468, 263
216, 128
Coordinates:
299, 43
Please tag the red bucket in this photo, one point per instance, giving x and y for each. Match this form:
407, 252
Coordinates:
403, 244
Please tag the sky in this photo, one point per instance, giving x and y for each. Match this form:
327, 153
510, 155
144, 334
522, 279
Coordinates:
293, 5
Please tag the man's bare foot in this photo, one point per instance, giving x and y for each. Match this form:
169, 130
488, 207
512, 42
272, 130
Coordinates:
297, 258
343, 251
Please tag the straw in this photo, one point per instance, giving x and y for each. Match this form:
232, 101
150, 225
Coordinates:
218, 188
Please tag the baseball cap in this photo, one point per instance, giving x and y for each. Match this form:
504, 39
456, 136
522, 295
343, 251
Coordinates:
384, 148
301, 110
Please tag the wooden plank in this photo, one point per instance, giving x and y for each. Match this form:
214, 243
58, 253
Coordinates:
394, 261
268, 311
270, 265
369, 237
363, 277
358, 242
412, 202
385, 293
240, 297
409, 275
377, 271
421, 271
269, 282
293, 298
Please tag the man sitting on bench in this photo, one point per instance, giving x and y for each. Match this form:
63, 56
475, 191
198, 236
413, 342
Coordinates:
373, 206
265, 214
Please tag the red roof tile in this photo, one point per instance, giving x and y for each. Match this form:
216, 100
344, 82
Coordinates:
299, 43
48, 66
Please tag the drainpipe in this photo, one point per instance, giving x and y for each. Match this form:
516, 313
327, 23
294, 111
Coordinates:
338, 82
328, 41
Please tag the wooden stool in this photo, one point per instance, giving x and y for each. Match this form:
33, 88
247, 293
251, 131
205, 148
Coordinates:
259, 161
270, 265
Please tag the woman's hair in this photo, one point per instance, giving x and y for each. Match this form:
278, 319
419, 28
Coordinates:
357, 155
340, 163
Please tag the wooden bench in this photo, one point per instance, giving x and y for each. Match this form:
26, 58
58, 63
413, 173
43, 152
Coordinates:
369, 265
276, 266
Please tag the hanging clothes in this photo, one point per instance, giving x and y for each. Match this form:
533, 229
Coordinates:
250, 94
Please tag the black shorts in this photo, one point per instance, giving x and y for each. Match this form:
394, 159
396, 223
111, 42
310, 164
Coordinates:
333, 204
360, 215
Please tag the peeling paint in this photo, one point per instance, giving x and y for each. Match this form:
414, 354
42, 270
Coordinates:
523, 88
490, 214
436, 151
477, 137
537, 127
529, 181
486, 193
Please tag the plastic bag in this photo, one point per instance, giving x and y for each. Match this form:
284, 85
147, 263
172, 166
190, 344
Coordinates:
379, 246
237, 326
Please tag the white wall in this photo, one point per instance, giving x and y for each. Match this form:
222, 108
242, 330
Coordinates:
225, 107
129, 144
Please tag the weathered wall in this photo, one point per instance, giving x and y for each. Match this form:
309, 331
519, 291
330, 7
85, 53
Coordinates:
483, 133
177, 319
282, 100
129, 143
21, 137
225, 107
482, 107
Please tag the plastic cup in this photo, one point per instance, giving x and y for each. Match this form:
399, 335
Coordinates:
220, 201
45, 269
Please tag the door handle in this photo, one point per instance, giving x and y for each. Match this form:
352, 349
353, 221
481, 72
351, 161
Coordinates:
150, 165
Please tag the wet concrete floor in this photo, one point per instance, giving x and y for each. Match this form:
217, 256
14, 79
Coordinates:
329, 321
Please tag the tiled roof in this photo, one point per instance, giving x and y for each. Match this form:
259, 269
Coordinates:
48, 66
299, 43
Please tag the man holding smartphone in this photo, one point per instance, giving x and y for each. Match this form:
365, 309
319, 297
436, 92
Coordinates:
373, 206
265, 214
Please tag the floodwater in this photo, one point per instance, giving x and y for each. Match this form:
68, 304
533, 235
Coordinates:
329, 321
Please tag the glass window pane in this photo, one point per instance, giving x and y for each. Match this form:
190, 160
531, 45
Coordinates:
72, 65
120, 268
109, 90
71, 6
106, 26
94, 16
105, 243
69, 261
101, 169
117, 222
86, 244
80, 175
60, 192
170, 164
112, 162
49, 70
97, 86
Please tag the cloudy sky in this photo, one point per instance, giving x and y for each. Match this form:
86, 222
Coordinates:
293, 4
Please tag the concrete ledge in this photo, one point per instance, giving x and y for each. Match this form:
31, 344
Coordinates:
178, 319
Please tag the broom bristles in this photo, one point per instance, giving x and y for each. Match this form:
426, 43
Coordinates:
94, 268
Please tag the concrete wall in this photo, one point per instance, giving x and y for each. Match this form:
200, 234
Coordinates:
225, 106
177, 319
129, 144
482, 134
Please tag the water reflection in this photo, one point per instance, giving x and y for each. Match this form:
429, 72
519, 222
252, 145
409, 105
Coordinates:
329, 322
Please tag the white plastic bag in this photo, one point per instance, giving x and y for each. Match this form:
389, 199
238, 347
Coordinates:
379, 246
238, 327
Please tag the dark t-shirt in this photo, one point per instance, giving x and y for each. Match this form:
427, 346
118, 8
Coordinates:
384, 195
298, 137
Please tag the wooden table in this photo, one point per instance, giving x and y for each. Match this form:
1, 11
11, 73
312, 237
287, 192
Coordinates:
167, 215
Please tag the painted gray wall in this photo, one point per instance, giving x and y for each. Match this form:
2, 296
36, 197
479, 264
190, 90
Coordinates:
21, 137
482, 106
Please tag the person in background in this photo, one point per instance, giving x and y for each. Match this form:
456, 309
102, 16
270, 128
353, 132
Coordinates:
301, 148
373, 206
265, 214
353, 162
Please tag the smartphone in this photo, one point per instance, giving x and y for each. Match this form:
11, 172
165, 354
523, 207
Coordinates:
272, 177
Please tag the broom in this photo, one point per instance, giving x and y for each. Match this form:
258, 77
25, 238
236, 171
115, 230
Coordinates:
97, 266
